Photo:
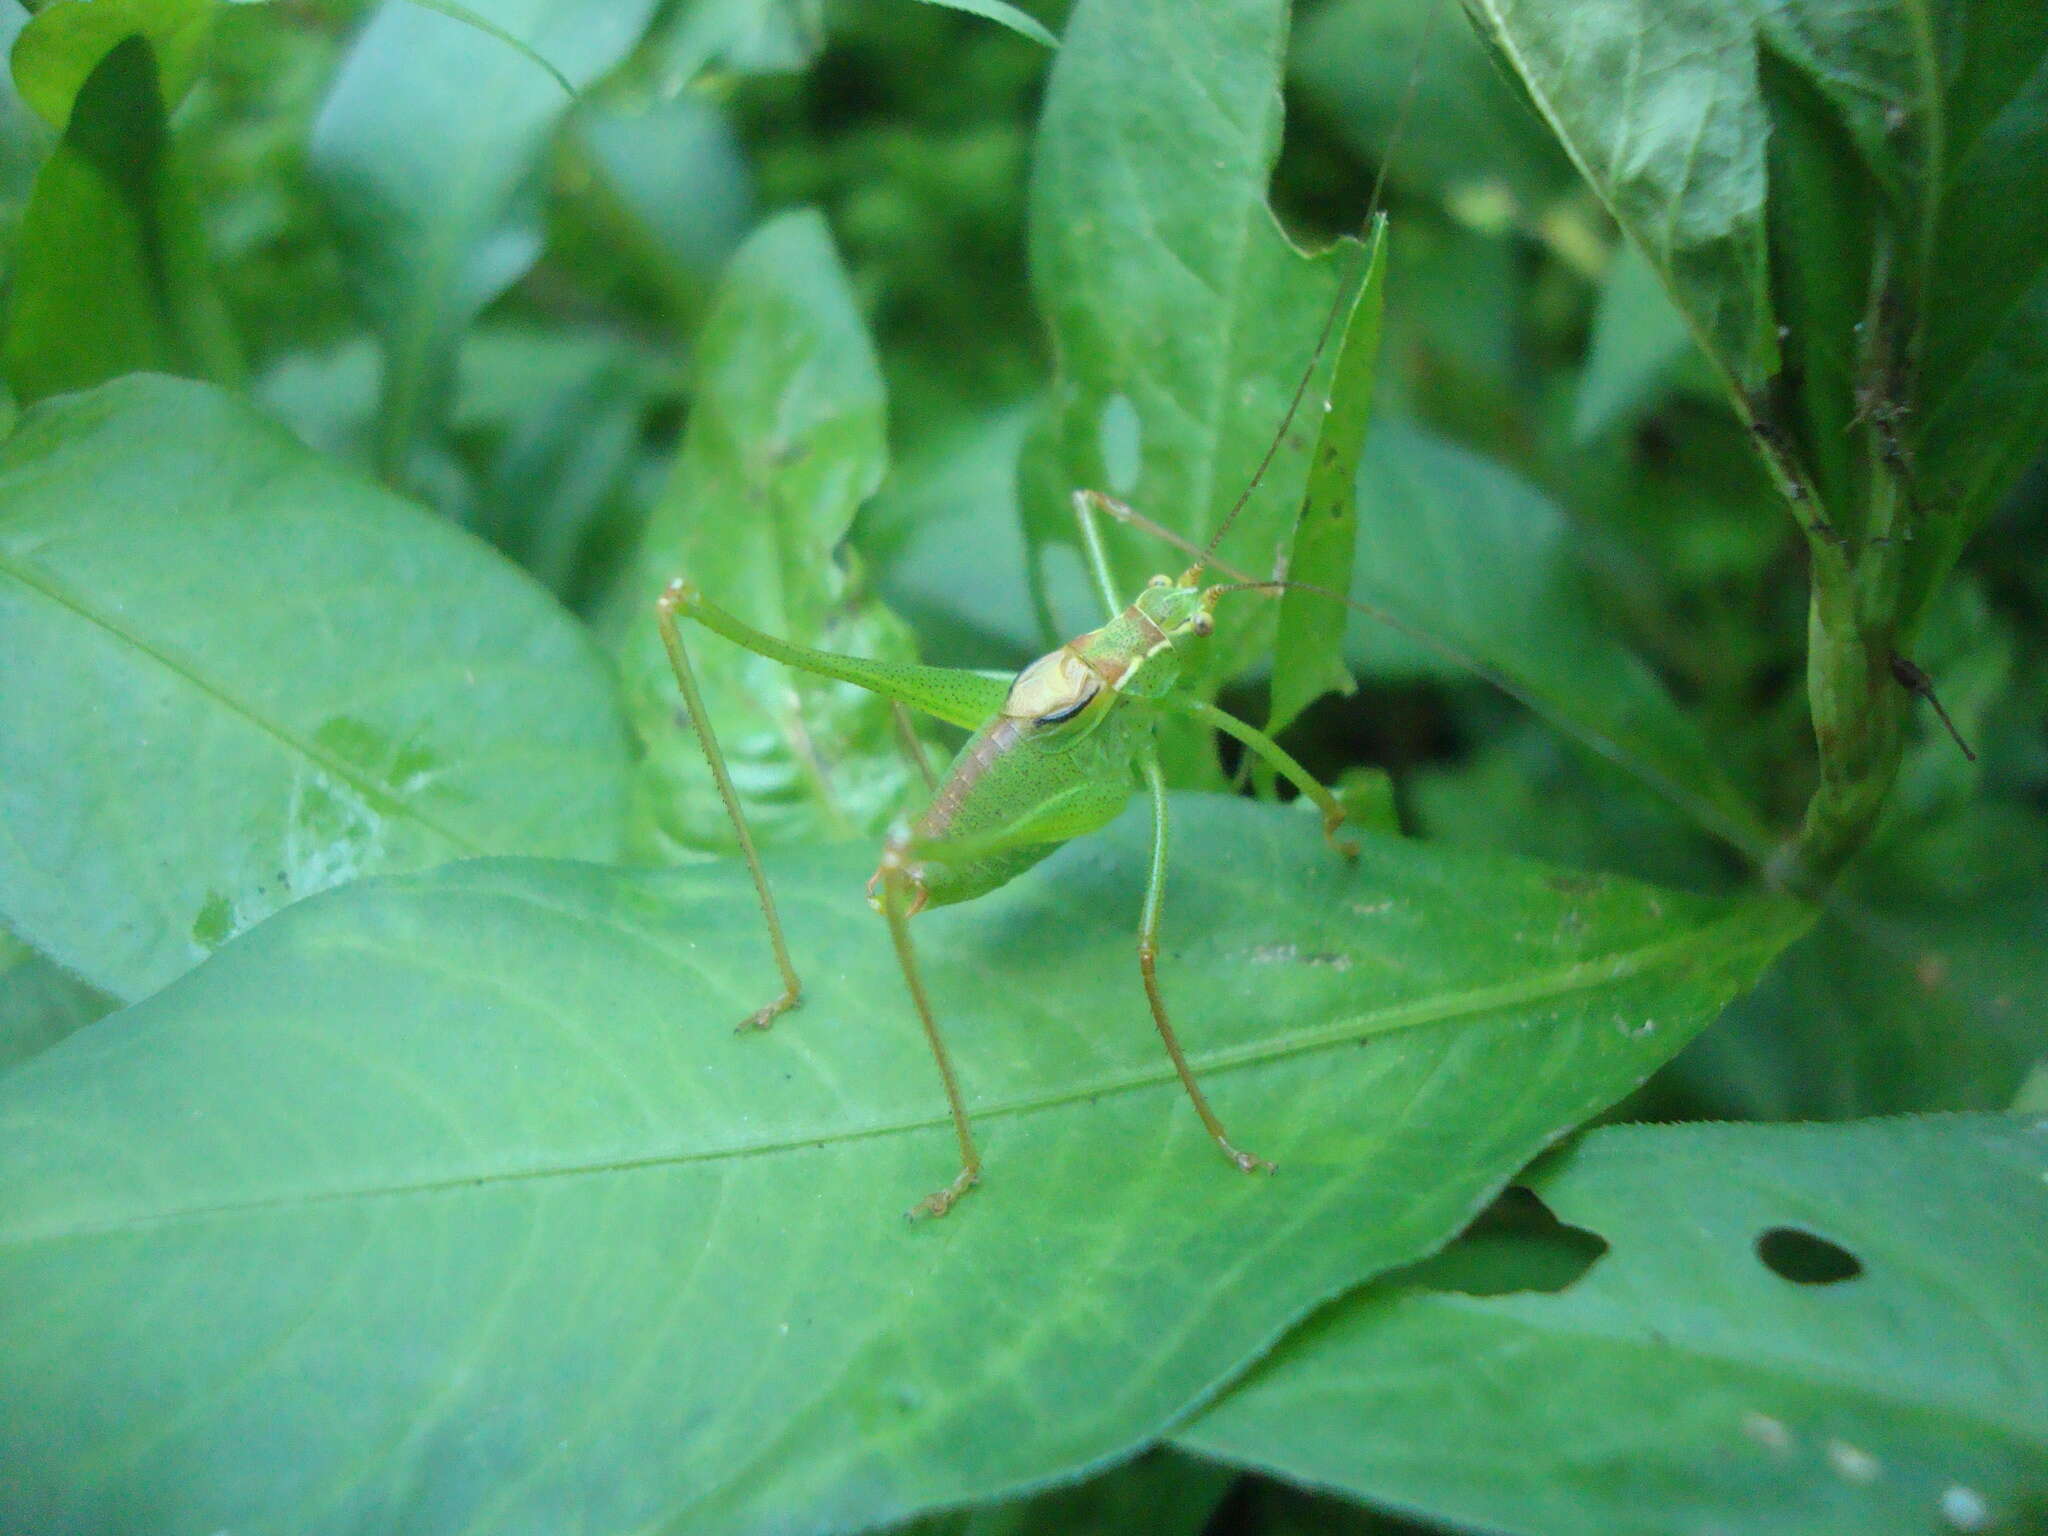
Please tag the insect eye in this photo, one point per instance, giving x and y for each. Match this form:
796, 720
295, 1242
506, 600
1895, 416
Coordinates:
1202, 623
1159, 581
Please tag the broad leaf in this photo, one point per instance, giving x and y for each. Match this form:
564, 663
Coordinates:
256, 677
1182, 316
785, 440
1308, 645
1719, 1369
944, 534
428, 138
426, 1193
1921, 1006
109, 266
1463, 555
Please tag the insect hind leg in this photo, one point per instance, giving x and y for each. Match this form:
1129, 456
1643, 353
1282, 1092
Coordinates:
900, 896
675, 598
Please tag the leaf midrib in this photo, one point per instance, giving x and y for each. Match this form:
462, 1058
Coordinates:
380, 794
1585, 975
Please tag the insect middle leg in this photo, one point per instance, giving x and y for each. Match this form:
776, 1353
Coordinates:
1148, 951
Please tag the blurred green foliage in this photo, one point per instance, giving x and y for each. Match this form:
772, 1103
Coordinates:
1703, 404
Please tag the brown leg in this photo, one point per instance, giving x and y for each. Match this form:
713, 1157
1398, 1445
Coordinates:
900, 897
1148, 948
665, 607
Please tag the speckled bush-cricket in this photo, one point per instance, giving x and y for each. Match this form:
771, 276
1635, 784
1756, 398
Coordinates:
1058, 751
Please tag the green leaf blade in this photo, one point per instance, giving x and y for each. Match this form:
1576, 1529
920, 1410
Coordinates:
495, 1173
259, 678
1682, 1384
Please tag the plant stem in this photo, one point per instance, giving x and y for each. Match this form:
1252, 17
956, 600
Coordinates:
1857, 704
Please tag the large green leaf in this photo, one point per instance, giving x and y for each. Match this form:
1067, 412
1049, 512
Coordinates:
1708, 1373
437, 1193
255, 677
427, 141
784, 442
1462, 554
1182, 315
109, 266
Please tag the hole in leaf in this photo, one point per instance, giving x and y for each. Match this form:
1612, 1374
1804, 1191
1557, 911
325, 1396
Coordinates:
1806, 1259
1517, 1244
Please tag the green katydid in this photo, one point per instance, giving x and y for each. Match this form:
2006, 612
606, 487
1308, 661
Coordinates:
1054, 754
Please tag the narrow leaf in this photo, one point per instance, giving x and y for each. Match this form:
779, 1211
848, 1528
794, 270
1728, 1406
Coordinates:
256, 678
434, 1188
1308, 648
1018, 21
1798, 1329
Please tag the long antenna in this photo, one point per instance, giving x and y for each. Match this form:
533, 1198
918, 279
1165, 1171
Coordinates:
1206, 555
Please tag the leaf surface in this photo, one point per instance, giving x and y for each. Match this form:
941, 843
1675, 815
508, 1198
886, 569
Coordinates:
423, 1194
257, 677
1688, 1381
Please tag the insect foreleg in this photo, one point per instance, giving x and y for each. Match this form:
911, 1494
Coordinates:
1148, 951
897, 902
700, 722
1282, 762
